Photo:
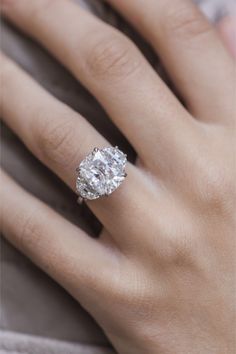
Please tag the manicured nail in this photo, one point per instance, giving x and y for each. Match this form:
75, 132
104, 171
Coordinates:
227, 28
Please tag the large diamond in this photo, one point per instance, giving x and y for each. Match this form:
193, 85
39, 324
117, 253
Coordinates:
101, 172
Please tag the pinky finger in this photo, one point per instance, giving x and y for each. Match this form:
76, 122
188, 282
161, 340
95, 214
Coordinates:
76, 261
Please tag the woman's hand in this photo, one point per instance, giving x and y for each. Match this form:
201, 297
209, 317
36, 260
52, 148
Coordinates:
161, 278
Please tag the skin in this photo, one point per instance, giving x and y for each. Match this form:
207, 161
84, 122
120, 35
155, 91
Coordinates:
161, 277
227, 30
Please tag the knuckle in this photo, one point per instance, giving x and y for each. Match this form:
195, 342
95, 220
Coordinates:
186, 22
112, 56
181, 253
29, 232
129, 290
217, 189
38, 9
55, 141
180, 243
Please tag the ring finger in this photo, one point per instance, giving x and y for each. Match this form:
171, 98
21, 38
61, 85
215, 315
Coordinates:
61, 138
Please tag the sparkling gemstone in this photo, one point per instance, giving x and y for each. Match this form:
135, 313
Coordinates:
101, 172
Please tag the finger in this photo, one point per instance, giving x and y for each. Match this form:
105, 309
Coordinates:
110, 66
78, 262
61, 138
227, 30
190, 50
57, 135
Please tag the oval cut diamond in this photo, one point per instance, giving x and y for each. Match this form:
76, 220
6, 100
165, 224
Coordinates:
101, 172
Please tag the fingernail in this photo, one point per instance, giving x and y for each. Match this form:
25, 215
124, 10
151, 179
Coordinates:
227, 29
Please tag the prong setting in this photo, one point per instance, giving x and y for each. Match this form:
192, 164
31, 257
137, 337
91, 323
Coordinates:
101, 173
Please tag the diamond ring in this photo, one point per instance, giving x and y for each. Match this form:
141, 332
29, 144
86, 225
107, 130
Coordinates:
100, 173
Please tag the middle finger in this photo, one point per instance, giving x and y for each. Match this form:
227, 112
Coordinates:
111, 67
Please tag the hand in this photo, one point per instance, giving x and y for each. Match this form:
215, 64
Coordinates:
161, 277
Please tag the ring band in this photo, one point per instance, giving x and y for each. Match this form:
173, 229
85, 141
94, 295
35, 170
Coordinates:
100, 173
